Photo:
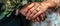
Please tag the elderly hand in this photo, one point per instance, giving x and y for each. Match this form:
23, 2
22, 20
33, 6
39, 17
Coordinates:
34, 10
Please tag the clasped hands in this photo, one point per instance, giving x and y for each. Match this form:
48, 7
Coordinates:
34, 11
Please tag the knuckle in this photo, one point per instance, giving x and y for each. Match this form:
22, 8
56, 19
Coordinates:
31, 5
34, 12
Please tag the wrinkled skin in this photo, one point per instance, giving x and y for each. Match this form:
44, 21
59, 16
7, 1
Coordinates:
35, 9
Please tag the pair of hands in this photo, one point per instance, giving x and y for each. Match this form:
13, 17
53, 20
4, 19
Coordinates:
35, 11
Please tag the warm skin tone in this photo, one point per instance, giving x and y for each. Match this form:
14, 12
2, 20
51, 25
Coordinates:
35, 9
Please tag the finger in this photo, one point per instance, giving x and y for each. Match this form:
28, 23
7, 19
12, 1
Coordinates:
28, 15
42, 9
42, 16
38, 19
34, 12
28, 12
28, 7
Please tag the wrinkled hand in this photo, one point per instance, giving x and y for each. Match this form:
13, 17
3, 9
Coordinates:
34, 10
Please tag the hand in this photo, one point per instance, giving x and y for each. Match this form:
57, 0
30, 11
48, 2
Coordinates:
35, 11
31, 8
25, 9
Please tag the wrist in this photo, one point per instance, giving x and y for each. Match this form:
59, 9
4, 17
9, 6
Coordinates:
50, 4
